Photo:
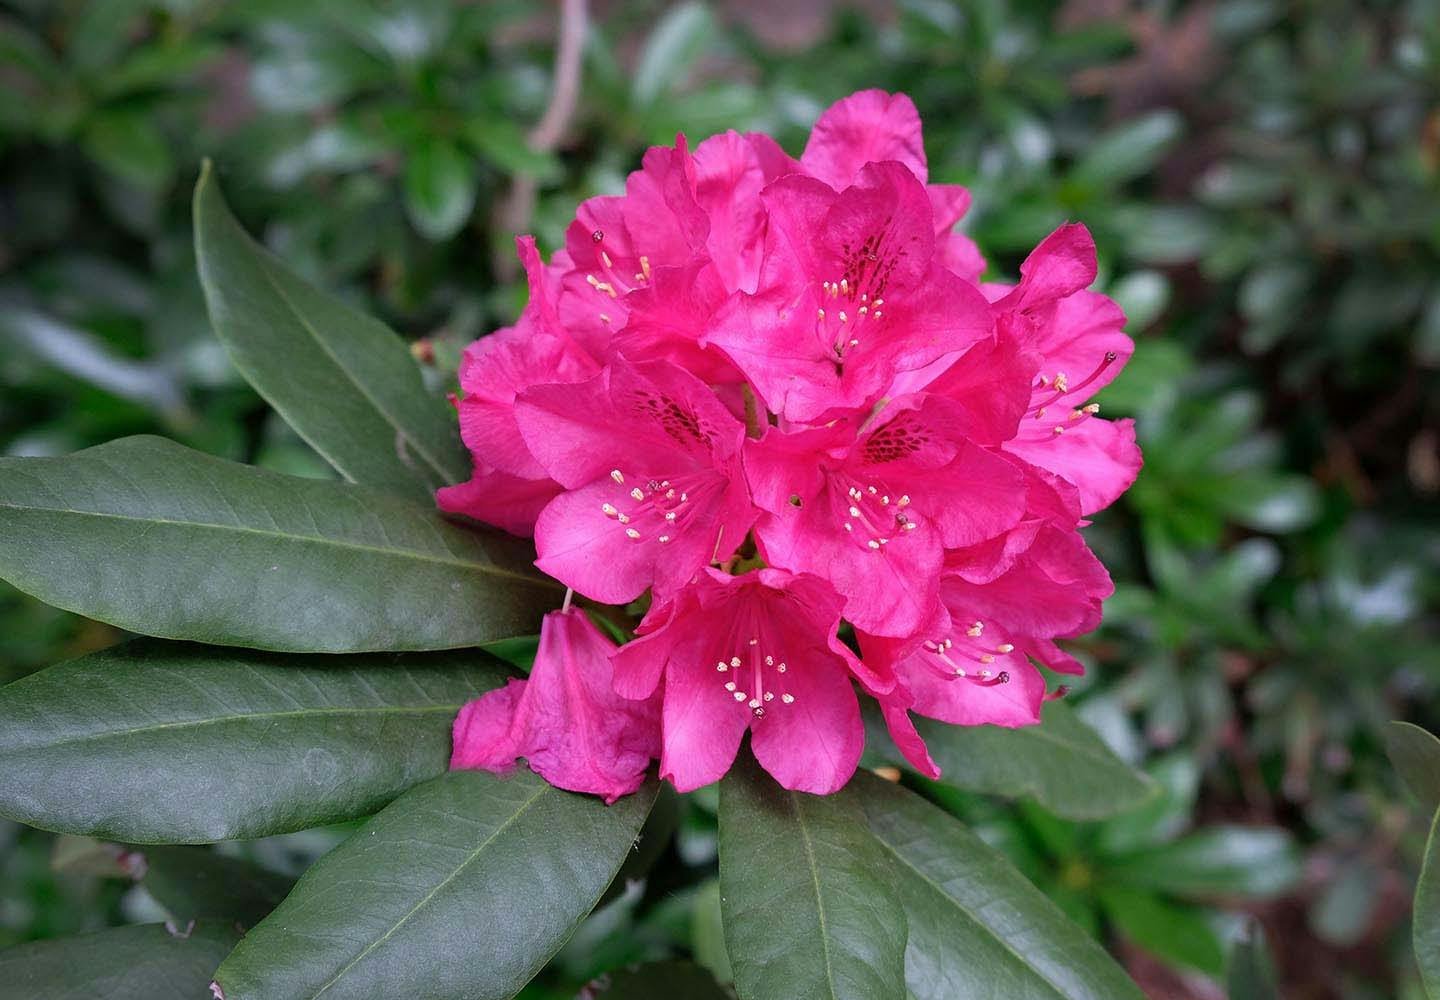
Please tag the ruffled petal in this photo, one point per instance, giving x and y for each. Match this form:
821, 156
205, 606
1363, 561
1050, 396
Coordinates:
868, 126
565, 720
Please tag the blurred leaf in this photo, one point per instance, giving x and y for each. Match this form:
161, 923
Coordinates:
131, 145
240, 556
1143, 295
75, 855
422, 900
672, 47
439, 188
1278, 503
1169, 931
1415, 754
1218, 861
86, 357
167, 742
810, 904
977, 926
166, 64
346, 384
1127, 150
657, 981
1061, 763
1342, 913
140, 962
1426, 930
196, 883
1177, 776
503, 143
1251, 974
707, 933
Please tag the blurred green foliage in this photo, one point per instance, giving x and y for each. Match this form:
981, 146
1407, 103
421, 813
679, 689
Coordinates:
1263, 180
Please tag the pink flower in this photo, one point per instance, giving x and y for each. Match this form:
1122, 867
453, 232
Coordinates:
873, 511
650, 463
850, 293
565, 719
756, 652
749, 360
1078, 340
510, 487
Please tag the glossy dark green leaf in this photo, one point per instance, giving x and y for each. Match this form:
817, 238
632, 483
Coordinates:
1426, 930
150, 536
1218, 861
169, 742
439, 188
1415, 753
657, 981
1251, 973
979, 928
1061, 763
197, 883
810, 906
344, 381
139, 962
462, 888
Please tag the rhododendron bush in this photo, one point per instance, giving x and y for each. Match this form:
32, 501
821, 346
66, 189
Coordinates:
795, 501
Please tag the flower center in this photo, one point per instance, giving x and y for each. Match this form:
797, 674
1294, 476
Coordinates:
848, 316
657, 508
1061, 386
969, 660
755, 676
872, 516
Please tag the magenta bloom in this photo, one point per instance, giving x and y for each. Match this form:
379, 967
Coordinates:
850, 294
565, 719
756, 652
771, 396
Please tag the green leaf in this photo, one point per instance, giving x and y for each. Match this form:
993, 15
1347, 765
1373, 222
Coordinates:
1251, 974
462, 888
1176, 933
343, 380
808, 897
439, 188
671, 47
501, 141
140, 962
1249, 862
707, 933
1415, 753
196, 883
150, 536
130, 145
168, 742
1426, 930
977, 926
657, 981
1128, 150
1061, 763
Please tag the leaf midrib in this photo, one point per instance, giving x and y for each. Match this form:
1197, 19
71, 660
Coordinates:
819, 899
491, 569
469, 860
219, 719
939, 890
420, 449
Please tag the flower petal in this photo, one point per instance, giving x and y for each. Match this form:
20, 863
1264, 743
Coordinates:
868, 126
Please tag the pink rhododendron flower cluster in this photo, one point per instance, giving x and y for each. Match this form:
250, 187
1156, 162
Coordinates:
774, 394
